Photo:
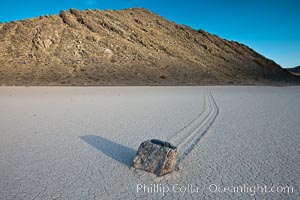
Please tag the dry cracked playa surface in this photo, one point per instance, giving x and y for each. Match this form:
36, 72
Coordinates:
79, 142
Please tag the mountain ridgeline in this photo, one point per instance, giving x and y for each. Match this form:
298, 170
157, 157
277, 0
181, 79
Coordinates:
125, 47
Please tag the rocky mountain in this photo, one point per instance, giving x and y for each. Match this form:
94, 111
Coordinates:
125, 47
295, 70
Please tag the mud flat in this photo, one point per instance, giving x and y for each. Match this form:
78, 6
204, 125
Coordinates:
79, 142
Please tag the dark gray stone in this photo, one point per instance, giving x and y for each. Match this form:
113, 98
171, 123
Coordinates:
156, 156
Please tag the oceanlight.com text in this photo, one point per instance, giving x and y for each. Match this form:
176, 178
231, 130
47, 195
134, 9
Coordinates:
250, 189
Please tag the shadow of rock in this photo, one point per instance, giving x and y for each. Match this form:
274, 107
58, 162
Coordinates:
114, 150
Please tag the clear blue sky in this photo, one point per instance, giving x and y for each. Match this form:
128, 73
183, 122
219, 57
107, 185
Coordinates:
271, 27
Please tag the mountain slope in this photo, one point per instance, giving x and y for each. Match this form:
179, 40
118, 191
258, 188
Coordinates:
131, 47
295, 70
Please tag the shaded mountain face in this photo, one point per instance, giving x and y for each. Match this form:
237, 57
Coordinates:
130, 47
295, 70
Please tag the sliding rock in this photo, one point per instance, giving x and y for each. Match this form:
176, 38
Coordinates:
156, 156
